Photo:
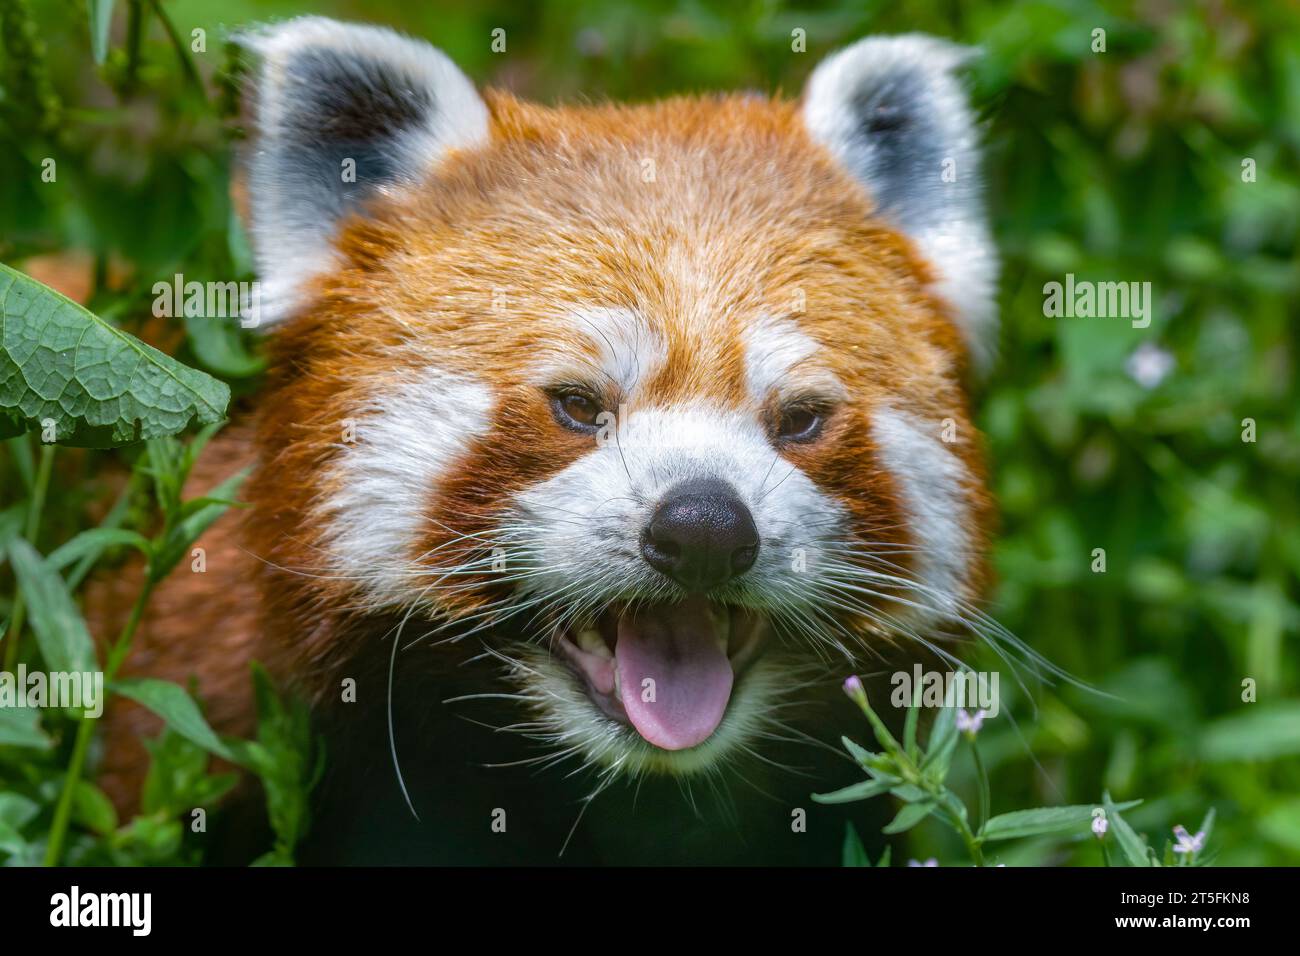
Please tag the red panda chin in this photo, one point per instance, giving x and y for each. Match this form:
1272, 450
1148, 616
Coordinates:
666, 670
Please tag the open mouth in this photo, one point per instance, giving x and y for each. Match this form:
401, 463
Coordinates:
667, 670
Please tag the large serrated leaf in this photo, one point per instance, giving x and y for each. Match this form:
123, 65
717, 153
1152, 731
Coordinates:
100, 386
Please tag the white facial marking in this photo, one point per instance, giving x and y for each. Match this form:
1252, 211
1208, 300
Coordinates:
780, 358
773, 349
408, 434
581, 529
628, 350
933, 483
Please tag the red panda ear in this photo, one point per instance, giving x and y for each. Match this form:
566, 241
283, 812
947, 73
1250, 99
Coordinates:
340, 112
894, 115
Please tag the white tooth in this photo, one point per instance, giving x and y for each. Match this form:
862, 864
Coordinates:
591, 642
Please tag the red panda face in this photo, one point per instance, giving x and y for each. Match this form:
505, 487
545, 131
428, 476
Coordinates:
663, 405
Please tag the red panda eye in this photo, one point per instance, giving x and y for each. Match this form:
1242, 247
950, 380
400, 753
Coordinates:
575, 410
799, 423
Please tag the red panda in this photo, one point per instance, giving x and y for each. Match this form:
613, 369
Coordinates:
641, 407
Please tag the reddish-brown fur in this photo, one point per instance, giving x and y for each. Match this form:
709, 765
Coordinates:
743, 213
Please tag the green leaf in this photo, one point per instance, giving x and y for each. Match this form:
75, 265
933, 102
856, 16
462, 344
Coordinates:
178, 778
857, 791
153, 839
11, 524
853, 852
910, 792
92, 808
861, 754
191, 528
1207, 825
114, 519
909, 727
11, 841
194, 448
93, 543
276, 857
21, 727
170, 702
101, 18
942, 743
20, 448
195, 505
100, 386
1280, 824
16, 810
909, 816
60, 631
1263, 732
1044, 821
1134, 847
287, 759
219, 345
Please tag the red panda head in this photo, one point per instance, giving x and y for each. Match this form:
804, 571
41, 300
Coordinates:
663, 404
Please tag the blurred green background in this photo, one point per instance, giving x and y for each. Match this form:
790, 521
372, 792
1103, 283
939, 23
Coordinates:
1123, 165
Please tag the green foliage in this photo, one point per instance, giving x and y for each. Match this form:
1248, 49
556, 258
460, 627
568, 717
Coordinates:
288, 761
49, 809
1118, 165
61, 633
917, 777
95, 384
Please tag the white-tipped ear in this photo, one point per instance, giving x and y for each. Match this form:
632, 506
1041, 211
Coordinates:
340, 112
892, 112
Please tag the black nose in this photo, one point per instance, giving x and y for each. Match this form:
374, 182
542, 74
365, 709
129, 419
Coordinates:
701, 535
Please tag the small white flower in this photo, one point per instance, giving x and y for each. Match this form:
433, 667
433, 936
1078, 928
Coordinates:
930, 862
1186, 842
970, 723
1149, 364
1100, 825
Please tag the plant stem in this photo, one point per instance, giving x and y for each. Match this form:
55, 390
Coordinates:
38, 493
123, 646
983, 777
135, 17
971, 841
86, 730
39, 489
15, 626
63, 810
182, 53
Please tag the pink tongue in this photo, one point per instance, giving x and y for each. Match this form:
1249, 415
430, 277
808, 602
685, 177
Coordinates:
674, 673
